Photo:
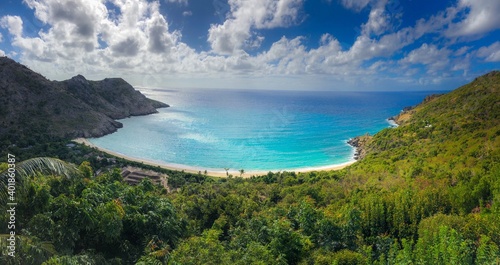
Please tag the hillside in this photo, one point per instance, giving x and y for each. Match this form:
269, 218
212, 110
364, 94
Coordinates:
445, 135
34, 106
426, 192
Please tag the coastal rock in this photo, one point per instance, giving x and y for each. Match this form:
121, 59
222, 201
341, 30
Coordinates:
360, 143
35, 107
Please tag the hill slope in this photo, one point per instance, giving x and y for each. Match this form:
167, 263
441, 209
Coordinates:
458, 130
427, 192
33, 105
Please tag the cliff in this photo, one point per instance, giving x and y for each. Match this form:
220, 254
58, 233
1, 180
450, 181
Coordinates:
34, 107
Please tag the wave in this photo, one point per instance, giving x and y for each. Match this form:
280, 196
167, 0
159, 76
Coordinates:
205, 139
392, 123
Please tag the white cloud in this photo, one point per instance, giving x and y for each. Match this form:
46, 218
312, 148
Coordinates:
136, 42
187, 13
481, 16
236, 31
356, 5
182, 2
463, 50
1, 37
429, 55
84, 33
285, 56
159, 38
2, 53
75, 25
462, 63
490, 53
378, 22
13, 24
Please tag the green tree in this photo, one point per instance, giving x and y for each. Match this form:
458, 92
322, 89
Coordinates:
442, 246
487, 252
30, 167
206, 249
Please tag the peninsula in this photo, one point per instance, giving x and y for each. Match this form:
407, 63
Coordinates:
34, 107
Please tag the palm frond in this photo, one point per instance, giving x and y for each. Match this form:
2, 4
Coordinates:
32, 246
30, 167
45, 165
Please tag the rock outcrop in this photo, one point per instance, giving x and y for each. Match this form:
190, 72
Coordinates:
360, 143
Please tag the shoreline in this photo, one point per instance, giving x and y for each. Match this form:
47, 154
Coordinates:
210, 171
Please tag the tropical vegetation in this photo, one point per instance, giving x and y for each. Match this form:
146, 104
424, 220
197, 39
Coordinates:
427, 192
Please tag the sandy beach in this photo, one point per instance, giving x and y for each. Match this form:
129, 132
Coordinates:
210, 172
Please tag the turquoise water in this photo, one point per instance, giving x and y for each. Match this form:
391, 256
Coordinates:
255, 129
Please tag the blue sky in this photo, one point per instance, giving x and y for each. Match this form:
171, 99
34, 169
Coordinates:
269, 44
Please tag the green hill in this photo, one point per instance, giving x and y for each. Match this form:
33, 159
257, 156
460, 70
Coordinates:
453, 136
426, 192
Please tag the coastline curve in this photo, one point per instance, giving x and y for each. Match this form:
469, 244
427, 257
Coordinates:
210, 171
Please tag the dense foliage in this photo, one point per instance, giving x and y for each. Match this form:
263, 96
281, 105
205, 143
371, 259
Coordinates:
98, 219
428, 192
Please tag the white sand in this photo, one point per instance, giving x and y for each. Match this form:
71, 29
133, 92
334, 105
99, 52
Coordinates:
210, 172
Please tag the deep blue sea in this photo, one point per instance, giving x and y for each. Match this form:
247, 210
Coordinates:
255, 129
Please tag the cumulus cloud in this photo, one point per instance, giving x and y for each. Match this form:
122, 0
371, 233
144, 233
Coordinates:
378, 22
236, 31
131, 38
429, 55
74, 25
480, 17
14, 24
127, 47
490, 53
159, 38
86, 32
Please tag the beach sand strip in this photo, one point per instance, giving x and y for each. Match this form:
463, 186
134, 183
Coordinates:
210, 172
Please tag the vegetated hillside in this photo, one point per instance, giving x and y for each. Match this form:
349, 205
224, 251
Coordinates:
34, 108
446, 136
426, 192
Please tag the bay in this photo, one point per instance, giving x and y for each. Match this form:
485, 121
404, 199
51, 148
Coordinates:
255, 129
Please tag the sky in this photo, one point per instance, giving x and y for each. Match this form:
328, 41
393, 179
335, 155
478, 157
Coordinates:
259, 44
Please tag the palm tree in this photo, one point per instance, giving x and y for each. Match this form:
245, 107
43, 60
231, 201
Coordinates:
241, 172
227, 171
26, 168
29, 250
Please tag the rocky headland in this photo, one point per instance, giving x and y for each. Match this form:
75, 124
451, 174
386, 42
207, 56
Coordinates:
35, 106
361, 142
407, 112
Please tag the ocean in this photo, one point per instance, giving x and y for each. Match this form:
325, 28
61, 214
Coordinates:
255, 130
